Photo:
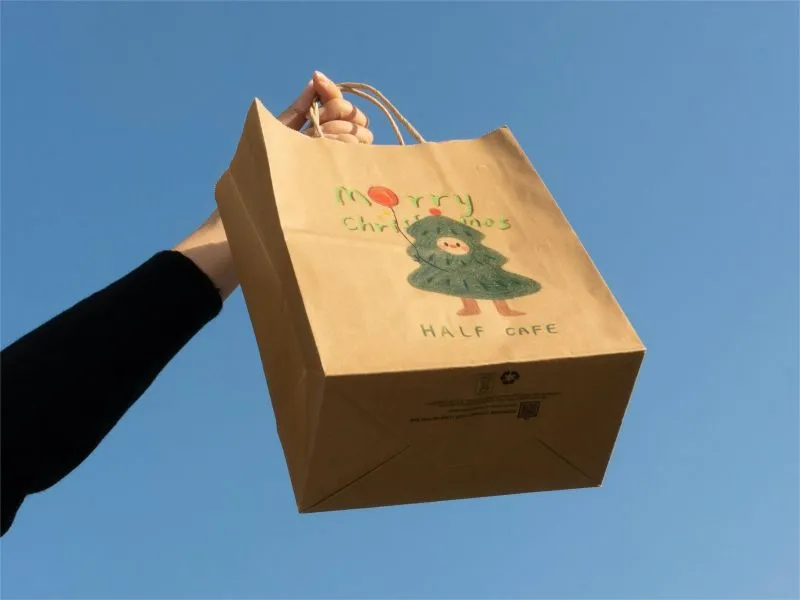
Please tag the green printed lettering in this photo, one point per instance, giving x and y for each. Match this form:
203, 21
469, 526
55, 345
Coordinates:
489, 222
478, 330
470, 206
364, 225
415, 200
472, 222
408, 223
436, 200
428, 331
381, 226
342, 192
504, 224
531, 329
446, 331
345, 223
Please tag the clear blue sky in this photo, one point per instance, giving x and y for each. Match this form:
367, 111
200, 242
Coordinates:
667, 131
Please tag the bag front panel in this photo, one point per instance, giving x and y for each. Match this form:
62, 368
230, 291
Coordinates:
435, 255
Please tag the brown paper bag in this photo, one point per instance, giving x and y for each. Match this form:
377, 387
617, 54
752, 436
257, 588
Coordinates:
429, 324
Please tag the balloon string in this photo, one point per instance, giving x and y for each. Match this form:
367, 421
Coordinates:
413, 245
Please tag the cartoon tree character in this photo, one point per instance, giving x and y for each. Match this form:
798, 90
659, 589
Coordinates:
454, 262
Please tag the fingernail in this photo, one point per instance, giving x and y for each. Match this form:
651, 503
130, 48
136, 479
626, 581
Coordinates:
321, 75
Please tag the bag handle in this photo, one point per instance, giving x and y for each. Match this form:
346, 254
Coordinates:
367, 92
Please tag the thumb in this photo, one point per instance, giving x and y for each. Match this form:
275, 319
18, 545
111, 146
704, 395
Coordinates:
319, 86
326, 89
295, 115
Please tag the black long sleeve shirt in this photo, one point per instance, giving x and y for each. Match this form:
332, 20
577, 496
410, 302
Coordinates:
64, 385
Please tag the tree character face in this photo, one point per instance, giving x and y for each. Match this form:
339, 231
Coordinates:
453, 246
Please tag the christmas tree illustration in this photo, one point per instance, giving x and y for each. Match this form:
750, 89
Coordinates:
453, 261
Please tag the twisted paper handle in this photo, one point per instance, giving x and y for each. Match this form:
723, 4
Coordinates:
367, 92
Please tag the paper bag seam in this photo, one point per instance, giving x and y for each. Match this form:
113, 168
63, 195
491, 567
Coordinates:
359, 478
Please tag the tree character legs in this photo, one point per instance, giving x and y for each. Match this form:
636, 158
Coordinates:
471, 308
505, 310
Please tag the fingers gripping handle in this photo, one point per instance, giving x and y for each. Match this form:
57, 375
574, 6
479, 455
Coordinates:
314, 114
376, 97
371, 94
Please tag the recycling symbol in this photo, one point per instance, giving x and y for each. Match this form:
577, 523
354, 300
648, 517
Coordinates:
509, 377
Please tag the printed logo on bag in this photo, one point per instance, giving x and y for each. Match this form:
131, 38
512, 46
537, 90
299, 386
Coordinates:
452, 258
509, 377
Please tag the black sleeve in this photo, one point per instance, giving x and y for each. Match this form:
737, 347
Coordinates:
64, 385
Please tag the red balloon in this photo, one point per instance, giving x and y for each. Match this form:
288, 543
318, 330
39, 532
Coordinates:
383, 196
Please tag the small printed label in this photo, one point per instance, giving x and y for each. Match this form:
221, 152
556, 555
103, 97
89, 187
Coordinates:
520, 406
528, 409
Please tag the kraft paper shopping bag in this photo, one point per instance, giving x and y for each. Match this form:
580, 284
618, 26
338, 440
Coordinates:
429, 324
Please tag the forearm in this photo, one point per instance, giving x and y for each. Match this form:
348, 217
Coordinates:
208, 248
67, 383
